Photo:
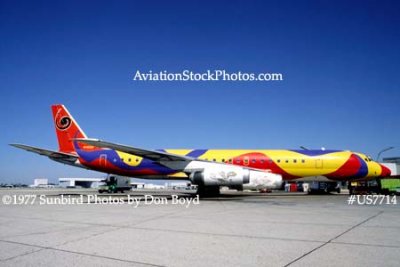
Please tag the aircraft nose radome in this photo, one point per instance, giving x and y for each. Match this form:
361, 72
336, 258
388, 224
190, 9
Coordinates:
385, 171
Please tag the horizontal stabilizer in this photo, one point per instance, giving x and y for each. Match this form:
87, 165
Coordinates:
58, 156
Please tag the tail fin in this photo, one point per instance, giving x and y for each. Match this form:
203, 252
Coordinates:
66, 129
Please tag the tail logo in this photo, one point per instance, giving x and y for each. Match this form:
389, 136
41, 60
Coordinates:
63, 123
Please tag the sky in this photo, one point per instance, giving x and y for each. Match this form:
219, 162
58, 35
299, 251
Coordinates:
340, 62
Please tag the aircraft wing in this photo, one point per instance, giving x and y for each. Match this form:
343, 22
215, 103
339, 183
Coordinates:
144, 153
55, 155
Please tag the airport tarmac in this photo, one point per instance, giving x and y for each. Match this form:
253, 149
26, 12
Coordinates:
237, 229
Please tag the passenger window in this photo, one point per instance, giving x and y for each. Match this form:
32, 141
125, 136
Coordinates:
287, 161
278, 160
223, 160
294, 161
253, 161
262, 161
129, 159
303, 161
230, 160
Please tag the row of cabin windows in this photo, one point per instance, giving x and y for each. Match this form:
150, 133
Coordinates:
238, 161
255, 161
130, 159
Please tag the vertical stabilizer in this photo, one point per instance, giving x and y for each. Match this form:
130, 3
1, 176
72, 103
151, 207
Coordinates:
66, 128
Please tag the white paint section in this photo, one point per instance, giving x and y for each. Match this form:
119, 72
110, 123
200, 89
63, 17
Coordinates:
393, 167
74, 121
213, 173
263, 180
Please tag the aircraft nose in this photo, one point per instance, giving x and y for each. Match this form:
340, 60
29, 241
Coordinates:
385, 171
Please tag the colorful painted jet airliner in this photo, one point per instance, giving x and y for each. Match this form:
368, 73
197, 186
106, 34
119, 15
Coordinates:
208, 168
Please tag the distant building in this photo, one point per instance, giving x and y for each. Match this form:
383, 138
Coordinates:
137, 185
80, 182
181, 185
393, 164
392, 160
40, 182
153, 186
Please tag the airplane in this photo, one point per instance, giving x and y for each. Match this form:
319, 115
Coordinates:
209, 169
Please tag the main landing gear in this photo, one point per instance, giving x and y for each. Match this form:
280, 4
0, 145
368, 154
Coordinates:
208, 191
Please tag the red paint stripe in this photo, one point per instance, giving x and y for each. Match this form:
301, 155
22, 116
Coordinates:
348, 169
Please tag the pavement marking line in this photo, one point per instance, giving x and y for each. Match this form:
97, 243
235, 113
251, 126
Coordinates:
332, 239
74, 252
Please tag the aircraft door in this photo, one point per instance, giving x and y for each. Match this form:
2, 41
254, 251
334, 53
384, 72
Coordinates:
103, 160
246, 161
319, 163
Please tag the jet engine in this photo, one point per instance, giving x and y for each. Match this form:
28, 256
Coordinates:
263, 180
218, 174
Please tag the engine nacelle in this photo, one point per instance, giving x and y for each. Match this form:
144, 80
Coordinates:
219, 175
263, 180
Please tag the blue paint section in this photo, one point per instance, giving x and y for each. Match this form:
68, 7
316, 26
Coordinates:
312, 153
363, 171
196, 153
90, 156
114, 159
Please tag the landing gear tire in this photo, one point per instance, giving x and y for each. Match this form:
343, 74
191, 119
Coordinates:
351, 191
208, 191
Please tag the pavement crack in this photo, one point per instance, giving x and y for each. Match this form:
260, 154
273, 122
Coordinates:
332, 239
22, 254
224, 235
87, 237
366, 245
40, 248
